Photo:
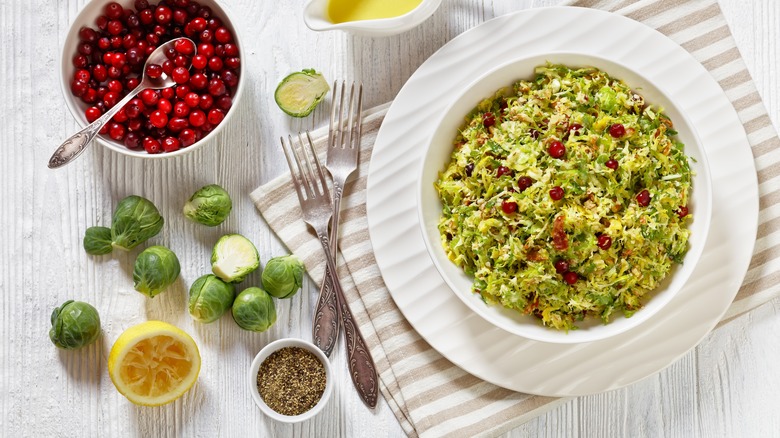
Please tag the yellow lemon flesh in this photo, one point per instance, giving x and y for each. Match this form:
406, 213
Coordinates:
153, 363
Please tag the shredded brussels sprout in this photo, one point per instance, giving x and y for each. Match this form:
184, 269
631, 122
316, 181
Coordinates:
605, 245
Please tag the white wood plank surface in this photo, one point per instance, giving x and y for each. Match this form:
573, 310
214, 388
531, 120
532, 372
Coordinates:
727, 386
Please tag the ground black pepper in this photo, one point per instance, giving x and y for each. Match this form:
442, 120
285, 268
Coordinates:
291, 380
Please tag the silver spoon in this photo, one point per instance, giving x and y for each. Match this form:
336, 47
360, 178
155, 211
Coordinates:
75, 145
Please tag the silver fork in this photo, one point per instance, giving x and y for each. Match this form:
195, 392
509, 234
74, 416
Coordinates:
343, 149
314, 197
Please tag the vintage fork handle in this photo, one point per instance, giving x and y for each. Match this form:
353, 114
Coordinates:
325, 325
359, 361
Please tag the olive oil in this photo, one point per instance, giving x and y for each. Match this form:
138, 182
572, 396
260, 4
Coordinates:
341, 11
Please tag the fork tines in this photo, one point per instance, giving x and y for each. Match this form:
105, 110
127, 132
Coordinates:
341, 136
307, 171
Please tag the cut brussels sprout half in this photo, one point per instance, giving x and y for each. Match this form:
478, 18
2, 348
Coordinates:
234, 257
209, 206
156, 268
300, 92
210, 298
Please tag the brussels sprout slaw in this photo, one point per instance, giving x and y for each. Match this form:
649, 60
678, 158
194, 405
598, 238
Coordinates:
566, 197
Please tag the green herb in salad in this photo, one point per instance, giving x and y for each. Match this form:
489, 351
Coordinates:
566, 197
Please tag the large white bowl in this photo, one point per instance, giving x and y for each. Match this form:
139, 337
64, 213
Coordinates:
87, 17
438, 156
315, 15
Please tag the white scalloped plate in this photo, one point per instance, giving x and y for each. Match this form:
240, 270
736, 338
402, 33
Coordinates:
509, 360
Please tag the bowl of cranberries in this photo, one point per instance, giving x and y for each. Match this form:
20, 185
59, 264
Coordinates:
573, 203
103, 59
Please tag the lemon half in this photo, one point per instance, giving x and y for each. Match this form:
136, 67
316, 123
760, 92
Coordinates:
153, 363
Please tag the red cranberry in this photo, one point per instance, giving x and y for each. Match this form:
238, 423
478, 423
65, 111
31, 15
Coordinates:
556, 149
132, 140
233, 62
150, 97
488, 120
206, 101
132, 83
101, 92
146, 16
154, 71
167, 67
114, 73
216, 116
85, 49
182, 91
133, 21
165, 106
181, 109
99, 72
556, 193
180, 17
89, 96
198, 24
120, 116
225, 102
187, 137
102, 22
205, 12
92, 113
215, 63
80, 61
199, 62
223, 35
111, 98
503, 170
217, 87
612, 163
508, 207
524, 182
141, 4
87, 35
682, 211
116, 41
561, 266
181, 61
185, 47
158, 118
643, 198
604, 242
113, 10
177, 124
231, 50
192, 99
167, 93
571, 277
134, 124
198, 81
197, 118
128, 41
207, 36
180, 75
115, 86
163, 14
151, 145
230, 78
116, 131
132, 110
170, 144
617, 130
83, 75
574, 129
115, 27
206, 50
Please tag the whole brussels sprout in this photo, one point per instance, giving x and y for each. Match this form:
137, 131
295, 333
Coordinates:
74, 324
254, 310
234, 257
283, 276
209, 206
210, 297
135, 220
156, 268
97, 240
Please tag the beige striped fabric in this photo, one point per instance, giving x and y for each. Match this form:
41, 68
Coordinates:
429, 395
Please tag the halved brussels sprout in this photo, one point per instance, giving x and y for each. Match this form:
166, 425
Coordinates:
97, 240
135, 220
74, 324
156, 268
210, 297
254, 310
283, 276
234, 257
209, 206
300, 92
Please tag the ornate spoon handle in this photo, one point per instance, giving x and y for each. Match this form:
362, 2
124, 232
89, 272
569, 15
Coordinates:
359, 361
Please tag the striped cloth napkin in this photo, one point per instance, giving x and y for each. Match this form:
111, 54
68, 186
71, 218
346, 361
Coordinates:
428, 394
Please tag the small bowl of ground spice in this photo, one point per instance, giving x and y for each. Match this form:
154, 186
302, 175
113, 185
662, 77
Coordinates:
290, 380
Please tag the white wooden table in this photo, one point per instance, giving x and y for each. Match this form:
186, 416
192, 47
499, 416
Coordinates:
727, 386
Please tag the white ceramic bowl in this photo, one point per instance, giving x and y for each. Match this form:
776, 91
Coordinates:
275, 346
87, 17
438, 155
315, 15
